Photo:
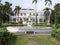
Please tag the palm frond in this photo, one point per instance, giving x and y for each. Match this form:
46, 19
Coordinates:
34, 1
48, 1
47, 9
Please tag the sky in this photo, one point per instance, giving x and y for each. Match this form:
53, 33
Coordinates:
28, 4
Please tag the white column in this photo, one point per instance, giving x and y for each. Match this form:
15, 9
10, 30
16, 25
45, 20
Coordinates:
16, 19
25, 32
23, 20
34, 33
38, 20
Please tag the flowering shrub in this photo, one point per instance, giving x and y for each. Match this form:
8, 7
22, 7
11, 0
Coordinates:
20, 22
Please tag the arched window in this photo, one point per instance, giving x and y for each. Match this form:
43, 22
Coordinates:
14, 19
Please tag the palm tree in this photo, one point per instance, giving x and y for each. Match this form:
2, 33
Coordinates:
1, 14
8, 7
35, 1
49, 2
17, 10
47, 15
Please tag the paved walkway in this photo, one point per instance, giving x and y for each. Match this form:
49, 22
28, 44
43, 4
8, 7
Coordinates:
32, 41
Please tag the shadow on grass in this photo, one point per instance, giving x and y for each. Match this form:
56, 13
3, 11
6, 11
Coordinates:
13, 40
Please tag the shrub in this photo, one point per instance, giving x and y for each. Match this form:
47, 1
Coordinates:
12, 24
5, 36
56, 33
42, 25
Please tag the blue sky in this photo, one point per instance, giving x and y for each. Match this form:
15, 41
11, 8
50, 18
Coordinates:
28, 3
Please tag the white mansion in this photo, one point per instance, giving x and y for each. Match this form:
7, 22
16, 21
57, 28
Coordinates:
28, 16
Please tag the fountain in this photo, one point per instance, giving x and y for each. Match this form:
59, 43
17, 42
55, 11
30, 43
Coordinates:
29, 30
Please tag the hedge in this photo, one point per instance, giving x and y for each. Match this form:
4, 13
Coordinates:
42, 25
5, 25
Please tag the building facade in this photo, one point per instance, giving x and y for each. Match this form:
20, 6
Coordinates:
27, 16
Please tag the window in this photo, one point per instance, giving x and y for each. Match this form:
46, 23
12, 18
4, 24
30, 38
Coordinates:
37, 14
21, 14
24, 19
14, 20
40, 20
33, 14
30, 13
33, 20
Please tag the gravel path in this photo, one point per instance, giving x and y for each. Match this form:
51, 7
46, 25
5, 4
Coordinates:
32, 41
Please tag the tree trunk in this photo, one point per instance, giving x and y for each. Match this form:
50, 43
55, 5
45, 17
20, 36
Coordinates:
48, 22
36, 12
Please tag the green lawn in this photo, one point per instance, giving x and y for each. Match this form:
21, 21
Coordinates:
42, 40
45, 40
19, 40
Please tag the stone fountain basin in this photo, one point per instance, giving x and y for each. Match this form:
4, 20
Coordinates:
12, 29
29, 29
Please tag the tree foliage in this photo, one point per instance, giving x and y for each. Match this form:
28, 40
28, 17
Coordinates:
3, 9
17, 9
57, 14
48, 1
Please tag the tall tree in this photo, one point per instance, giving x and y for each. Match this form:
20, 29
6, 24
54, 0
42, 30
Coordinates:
6, 8
57, 14
52, 18
48, 2
17, 10
1, 14
3, 9
47, 15
35, 1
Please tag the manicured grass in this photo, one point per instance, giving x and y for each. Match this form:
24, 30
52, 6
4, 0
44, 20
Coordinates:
21, 40
12, 24
43, 25
45, 40
42, 40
